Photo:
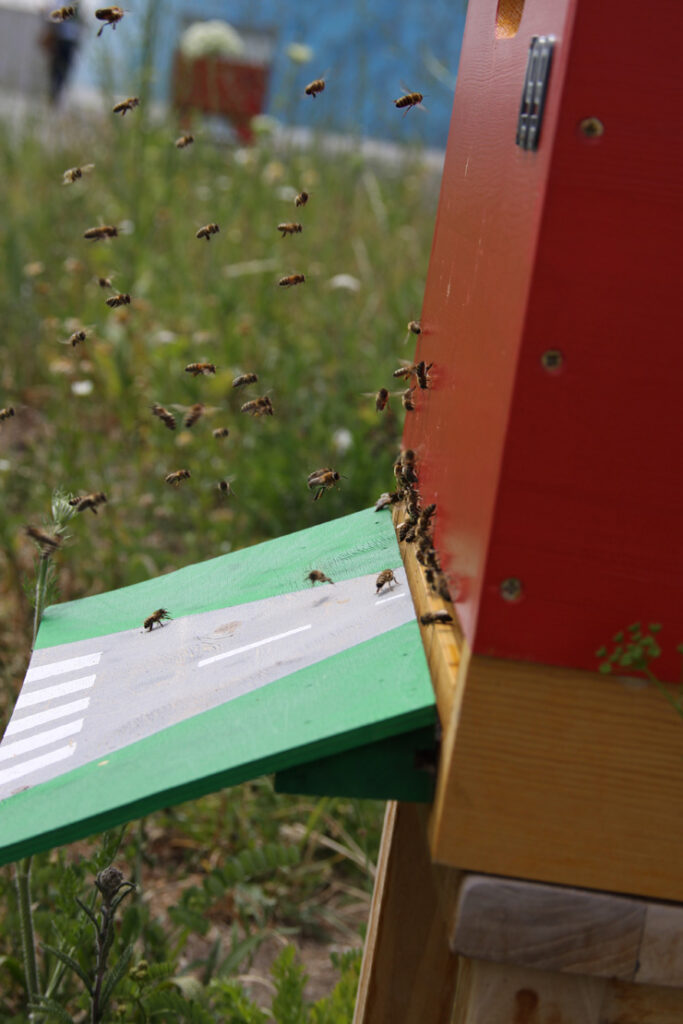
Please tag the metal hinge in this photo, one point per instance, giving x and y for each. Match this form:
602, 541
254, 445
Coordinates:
534, 91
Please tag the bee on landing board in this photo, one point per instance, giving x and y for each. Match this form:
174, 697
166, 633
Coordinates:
291, 279
175, 478
409, 100
63, 14
74, 173
386, 577
122, 299
155, 617
90, 501
244, 379
184, 141
386, 500
322, 481
166, 417
430, 618
316, 576
110, 16
125, 105
290, 229
207, 231
46, 541
100, 232
301, 199
200, 368
6, 413
313, 88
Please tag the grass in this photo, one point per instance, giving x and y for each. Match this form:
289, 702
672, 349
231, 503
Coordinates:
83, 423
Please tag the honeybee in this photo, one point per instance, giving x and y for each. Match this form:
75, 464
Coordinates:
76, 338
45, 540
110, 16
381, 399
415, 326
426, 516
125, 105
422, 372
313, 88
104, 282
166, 417
243, 379
207, 231
175, 477
156, 616
74, 173
316, 576
220, 432
225, 487
291, 279
90, 501
6, 413
290, 229
405, 371
62, 13
410, 99
386, 577
195, 413
184, 141
429, 618
407, 400
122, 299
301, 199
319, 472
385, 500
401, 530
101, 231
200, 368
258, 406
322, 482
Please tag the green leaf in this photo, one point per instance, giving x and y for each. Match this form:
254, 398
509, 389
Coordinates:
605, 667
655, 627
69, 962
239, 951
191, 919
86, 910
618, 637
601, 652
114, 976
53, 1008
211, 961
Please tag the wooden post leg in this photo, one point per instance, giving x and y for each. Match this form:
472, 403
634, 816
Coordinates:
408, 972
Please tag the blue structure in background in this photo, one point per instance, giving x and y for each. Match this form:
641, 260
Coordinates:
369, 52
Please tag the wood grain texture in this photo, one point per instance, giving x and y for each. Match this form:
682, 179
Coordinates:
561, 776
641, 1004
551, 928
408, 972
660, 961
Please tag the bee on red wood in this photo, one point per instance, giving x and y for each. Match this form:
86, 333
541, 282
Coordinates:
410, 99
316, 576
122, 299
195, 413
291, 279
110, 16
322, 481
155, 617
244, 379
74, 173
43, 539
407, 400
313, 88
290, 229
207, 231
101, 231
90, 501
430, 618
386, 578
422, 372
184, 141
6, 413
301, 199
220, 432
166, 417
125, 105
175, 478
200, 368
63, 14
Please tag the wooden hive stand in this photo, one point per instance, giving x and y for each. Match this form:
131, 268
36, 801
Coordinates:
544, 885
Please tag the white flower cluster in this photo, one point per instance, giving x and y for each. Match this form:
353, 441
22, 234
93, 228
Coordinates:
210, 39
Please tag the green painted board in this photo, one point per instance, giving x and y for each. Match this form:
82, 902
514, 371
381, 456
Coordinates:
257, 672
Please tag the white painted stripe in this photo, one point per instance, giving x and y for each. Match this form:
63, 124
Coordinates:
40, 739
47, 716
385, 600
17, 771
58, 668
250, 647
26, 700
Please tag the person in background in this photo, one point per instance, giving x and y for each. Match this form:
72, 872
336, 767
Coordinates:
60, 41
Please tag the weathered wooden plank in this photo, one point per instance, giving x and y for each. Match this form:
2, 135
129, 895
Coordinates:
641, 1004
660, 961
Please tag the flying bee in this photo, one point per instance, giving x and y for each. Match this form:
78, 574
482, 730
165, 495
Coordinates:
386, 577
6, 413
422, 371
415, 327
101, 231
156, 616
319, 472
122, 299
381, 399
200, 368
313, 88
290, 229
323, 482
125, 105
207, 231
405, 371
220, 432
166, 417
316, 576
301, 199
291, 279
74, 173
243, 379
62, 14
407, 400
258, 406
410, 99
195, 413
110, 16
174, 478
104, 282
45, 540
184, 141
90, 501
225, 487
429, 618
76, 338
